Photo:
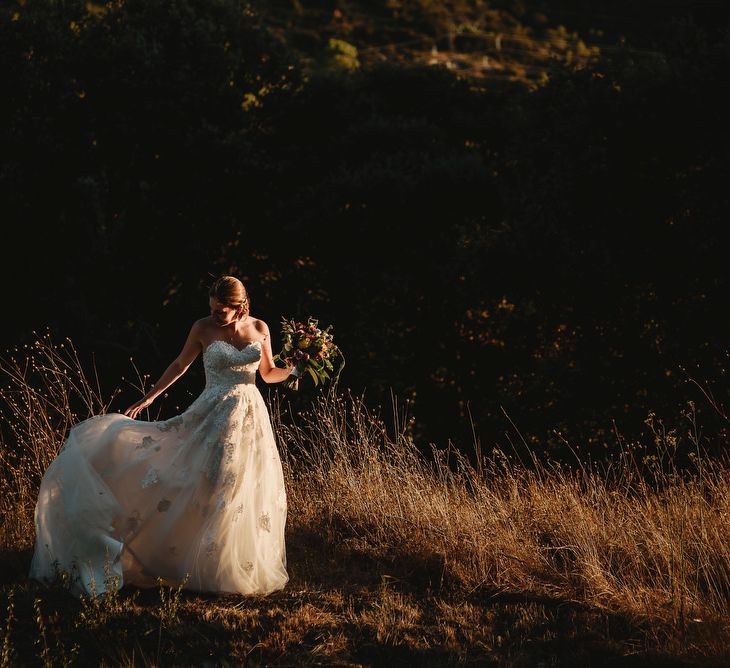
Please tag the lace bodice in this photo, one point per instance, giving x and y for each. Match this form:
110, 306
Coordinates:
225, 365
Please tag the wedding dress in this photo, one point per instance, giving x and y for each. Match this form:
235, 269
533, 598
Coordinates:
197, 499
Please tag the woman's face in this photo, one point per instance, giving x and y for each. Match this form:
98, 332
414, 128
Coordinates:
222, 315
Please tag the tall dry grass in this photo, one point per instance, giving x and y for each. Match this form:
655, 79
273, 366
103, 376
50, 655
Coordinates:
44, 390
641, 538
652, 541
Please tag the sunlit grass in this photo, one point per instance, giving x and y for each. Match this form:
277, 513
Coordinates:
631, 538
393, 548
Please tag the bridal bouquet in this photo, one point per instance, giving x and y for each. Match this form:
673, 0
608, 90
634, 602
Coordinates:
309, 349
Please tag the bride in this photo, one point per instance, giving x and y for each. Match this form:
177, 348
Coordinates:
197, 500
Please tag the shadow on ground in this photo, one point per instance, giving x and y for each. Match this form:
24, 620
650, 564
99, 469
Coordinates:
343, 606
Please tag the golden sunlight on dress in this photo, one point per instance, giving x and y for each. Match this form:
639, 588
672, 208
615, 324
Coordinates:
198, 498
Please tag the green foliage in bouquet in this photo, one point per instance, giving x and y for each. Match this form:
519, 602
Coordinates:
311, 350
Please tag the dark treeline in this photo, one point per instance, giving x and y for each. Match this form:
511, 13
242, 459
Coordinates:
556, 254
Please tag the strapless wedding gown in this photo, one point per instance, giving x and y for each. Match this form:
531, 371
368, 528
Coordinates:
198, 498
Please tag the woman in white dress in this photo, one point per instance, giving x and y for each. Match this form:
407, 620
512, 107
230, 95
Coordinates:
198, 499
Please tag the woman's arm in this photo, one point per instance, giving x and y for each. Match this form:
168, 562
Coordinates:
191, 349
268, 370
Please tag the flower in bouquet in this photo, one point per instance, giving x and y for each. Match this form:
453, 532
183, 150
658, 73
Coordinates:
310, 350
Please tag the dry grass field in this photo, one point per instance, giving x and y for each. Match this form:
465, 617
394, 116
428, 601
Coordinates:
395, 557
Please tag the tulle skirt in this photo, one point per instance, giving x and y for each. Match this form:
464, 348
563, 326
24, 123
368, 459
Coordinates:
198, 500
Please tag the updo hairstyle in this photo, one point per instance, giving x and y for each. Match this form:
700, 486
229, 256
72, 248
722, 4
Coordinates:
230, 291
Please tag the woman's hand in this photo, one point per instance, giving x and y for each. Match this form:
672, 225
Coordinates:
135, 408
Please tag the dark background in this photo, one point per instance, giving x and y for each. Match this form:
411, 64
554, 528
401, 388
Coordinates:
546, 241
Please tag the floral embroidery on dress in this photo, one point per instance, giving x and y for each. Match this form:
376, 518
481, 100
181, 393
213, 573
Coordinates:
193, 418
265, 521
237, 512
211, 547
248, 421
133, 521
173, 423
248, 566
221, 451
148, 442
212, 471
151, 477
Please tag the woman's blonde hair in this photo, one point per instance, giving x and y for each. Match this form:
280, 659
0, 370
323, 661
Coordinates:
230, 291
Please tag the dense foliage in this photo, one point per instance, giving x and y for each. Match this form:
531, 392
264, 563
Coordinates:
556, 254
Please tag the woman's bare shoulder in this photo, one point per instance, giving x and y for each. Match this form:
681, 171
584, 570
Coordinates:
202, 326
202, 323
260, 326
